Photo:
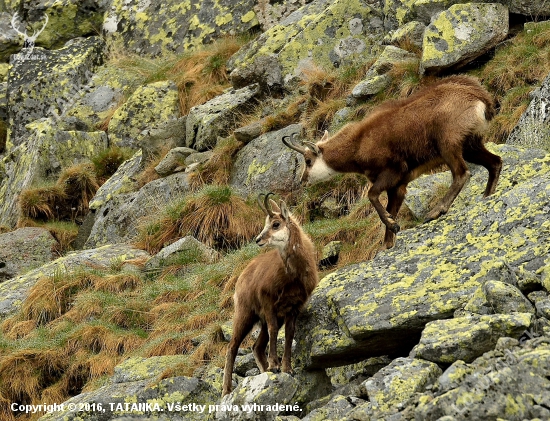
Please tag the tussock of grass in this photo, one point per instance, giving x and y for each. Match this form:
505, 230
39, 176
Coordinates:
79, 182
217, 170
41, 203
215, 215
107, 162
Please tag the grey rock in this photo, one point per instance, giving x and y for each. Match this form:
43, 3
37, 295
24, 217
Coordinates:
14, 291
138, 368
505, 299
533, 128
173, 160
198, 158
466, 338
149, 119
412, 32
336, 409
264, 70
245, 363
543, 308
25, 249
186, 247
331, 254
217, 117
41, 158
46, 85
343, 375
383, 305
10, 40
461, 33
265, 389
250, 132
266, 164
491, 385
117, 219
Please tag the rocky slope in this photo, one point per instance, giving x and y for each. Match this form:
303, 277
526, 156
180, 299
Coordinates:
453, 323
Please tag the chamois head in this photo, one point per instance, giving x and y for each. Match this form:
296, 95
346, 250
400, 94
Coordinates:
276, 231
316, 169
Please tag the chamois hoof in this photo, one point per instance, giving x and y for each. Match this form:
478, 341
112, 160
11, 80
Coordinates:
395, 228
274, 370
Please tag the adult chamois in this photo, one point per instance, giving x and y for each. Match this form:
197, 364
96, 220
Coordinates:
442, 123
272, 290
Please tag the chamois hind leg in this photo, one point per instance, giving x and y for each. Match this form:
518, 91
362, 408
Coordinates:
290, 328
476, 153
395, 200
384, 182
259, 348
273, 329
242, 324
452, 156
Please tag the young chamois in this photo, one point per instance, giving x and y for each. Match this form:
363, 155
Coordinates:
442, 123
272, 290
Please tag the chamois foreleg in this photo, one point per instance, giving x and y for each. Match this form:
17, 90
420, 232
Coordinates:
395, 200
273, 329
290, 328
259, 347
476, 153
453, 158
242, 324
381, 184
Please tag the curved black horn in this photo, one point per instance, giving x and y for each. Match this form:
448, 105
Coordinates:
267, 206
290, 143
313, 147
260, 202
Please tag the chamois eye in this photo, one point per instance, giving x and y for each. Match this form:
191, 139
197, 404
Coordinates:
308, 162
276, 225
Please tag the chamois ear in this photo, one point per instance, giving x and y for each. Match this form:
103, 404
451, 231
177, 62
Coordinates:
274, 206
325, 136
284, 211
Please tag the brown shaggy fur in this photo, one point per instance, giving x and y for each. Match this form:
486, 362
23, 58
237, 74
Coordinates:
272, 290
400, 140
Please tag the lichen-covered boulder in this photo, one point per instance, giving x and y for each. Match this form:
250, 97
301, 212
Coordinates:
173, 161
67, 19
505, 298
343, 375
96, 100
460, 34
122, 181
217, 117
394, 386
138, 368
263, 70
266, 164
511, 384
25, 249
377, 79
267, 389
381, 306
172, 399
533, 128
336, 409
117, 220
187, 248
151, 108
42, 85
466, 338
41, 158
155, 27
14, 291
322, 33
412, 32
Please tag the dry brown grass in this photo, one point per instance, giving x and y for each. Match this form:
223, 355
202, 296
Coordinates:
41, 203
217, 170
79, 182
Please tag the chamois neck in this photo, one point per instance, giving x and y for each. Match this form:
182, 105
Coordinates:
295, 253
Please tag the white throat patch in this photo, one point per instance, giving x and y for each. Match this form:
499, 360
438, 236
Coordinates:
320, 171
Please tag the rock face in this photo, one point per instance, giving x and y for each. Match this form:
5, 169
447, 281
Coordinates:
216, 117
328, 33
41, 157
47, 82
154, 108
153, 27
460, 34
25, 249
117, 219
266, 164
402, 289
532, 129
